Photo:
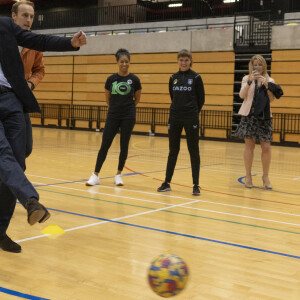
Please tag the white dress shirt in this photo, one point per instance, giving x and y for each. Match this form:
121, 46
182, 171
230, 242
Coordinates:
3, 80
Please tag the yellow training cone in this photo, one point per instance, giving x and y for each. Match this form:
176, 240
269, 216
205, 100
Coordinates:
53, 230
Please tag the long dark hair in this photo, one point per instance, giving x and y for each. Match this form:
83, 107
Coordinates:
122, 52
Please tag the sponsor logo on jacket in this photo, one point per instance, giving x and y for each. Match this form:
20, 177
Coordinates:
182, 88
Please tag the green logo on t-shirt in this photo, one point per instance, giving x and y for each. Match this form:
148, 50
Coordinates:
121, 88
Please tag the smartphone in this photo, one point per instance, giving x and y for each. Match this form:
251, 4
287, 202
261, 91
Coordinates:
256, 68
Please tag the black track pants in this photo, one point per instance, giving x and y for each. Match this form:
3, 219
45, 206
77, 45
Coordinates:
191, 127
111, 128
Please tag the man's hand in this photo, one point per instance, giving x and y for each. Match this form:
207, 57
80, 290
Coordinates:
79, 39
30, 85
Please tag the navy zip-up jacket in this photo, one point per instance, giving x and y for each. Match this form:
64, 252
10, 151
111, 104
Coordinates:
187, 94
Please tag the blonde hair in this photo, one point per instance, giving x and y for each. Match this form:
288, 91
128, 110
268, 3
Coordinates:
261, 61
185, 53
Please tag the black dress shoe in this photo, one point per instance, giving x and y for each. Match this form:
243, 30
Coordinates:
45, 217
8, 245
36, 212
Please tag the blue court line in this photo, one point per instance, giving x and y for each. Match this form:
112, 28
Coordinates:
127, 174
260, 188
25, 296
66, 182
179, 234
20, 295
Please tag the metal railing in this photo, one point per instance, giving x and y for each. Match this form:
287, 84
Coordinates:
137, 13
95, 116
286, 124
124, 14
254, 30
210, 25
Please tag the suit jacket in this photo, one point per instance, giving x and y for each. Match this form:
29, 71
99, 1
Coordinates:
248, 94
11, 35
262, 108
275, 89
33, 65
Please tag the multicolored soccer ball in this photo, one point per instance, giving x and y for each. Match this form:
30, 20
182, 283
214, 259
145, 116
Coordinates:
168, 275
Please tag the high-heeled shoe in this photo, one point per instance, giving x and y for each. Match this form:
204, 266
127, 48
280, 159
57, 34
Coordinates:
266, 186
248, 183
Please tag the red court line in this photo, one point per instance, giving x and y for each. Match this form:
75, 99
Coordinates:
215, 192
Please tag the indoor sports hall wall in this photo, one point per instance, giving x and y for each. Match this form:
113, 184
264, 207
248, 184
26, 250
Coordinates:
79, 79
285, 69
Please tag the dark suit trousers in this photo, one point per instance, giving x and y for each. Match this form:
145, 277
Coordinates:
13, 182
29, 139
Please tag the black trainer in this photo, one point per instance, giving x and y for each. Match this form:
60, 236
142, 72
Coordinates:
164, 187
8, 245
196, 190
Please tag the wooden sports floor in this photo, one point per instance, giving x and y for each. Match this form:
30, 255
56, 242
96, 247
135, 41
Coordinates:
238, 243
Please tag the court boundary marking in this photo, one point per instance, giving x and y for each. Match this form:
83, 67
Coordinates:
143, 174
211, 211
211, 191
116, 220
179, 213
26, 296
20, 295
106, 220
163, 195
240, 180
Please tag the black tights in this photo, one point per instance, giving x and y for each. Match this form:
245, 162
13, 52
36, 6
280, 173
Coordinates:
191, 127
111, 128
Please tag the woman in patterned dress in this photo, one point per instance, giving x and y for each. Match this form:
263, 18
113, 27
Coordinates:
251, 127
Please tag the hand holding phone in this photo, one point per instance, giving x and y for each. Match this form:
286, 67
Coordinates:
255, 73
255, 69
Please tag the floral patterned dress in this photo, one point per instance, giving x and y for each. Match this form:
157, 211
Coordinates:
252, 127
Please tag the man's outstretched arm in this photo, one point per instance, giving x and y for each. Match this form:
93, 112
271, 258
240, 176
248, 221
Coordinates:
43, 42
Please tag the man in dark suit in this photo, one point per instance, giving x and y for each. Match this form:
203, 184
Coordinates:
23, 15
15, 99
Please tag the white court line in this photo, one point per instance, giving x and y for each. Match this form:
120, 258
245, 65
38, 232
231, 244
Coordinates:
47, 178
208, 167
206, 210
203, 201
242, 216
164, 195
133, 160
92, 192
115, 219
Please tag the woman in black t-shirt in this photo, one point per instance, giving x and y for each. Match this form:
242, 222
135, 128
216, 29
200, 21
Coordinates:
122, 94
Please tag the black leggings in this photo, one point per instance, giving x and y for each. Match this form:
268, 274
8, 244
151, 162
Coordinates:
111, 128
191, 127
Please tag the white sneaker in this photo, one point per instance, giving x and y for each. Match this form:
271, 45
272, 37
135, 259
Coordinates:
94, 180
118, 180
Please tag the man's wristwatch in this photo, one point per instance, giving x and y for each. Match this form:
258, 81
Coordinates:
249, 82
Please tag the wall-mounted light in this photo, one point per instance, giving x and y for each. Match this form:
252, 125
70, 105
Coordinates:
230, 1
175, 5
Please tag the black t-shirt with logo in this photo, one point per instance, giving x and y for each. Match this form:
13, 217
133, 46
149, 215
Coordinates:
122, 90
187, 94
